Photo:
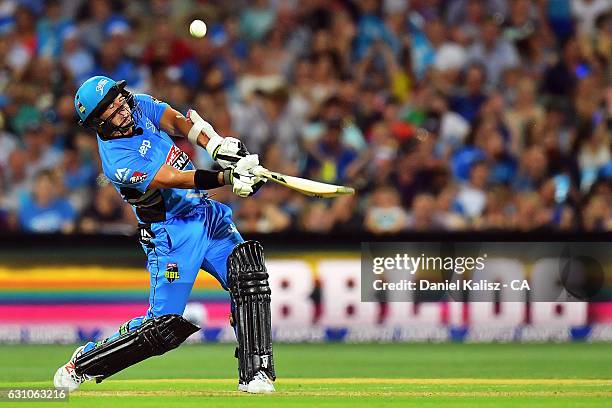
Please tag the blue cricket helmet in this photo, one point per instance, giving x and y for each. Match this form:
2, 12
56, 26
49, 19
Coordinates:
94, 96
90, 94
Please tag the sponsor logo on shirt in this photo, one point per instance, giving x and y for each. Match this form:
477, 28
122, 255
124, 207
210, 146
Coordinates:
122, 174
138, 177
144, 147
177, 158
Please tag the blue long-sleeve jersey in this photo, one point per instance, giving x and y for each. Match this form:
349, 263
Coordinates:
132, 162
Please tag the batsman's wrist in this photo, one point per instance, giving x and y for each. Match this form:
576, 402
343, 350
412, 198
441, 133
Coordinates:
228, 177
207, 179
213, 145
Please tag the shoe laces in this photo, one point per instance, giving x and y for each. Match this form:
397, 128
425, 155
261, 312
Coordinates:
70, 367
261, 375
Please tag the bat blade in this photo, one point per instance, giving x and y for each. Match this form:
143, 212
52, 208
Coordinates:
308, 187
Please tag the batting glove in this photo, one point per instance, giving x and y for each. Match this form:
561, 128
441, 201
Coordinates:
244, 182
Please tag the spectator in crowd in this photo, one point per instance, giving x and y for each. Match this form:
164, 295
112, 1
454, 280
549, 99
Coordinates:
112, 62
330, 158
78, 172
530, 214
495, 215
449, 217
472, 196
560, 79
424, 215
50, 29
165, 46
8, 143
593, 154
596, 215
45, 210
16, 183
107, 214
256, 20
316, 217
95, 16
75, 58
467, 101
252, 216
25, 29
493, 51
41, 154
384, 213
533, 170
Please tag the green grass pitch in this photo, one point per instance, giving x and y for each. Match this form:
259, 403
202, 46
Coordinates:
340, 375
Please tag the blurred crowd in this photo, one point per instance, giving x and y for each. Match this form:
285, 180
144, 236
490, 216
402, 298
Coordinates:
444, 115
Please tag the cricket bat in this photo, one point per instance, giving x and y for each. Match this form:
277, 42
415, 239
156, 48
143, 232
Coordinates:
309, 187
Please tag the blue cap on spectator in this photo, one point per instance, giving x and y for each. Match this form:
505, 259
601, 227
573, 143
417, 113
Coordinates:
117, 27
116, 23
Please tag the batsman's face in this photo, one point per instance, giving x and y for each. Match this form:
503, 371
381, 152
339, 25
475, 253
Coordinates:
118, 113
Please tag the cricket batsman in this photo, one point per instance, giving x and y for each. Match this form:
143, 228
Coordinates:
181, 232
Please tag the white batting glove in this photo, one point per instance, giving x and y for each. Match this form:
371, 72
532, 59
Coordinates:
244, 182
228, 152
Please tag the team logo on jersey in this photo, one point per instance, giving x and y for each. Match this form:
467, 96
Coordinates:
177, 158
101, 84
138, 177
172, 272
122, 174
144, 147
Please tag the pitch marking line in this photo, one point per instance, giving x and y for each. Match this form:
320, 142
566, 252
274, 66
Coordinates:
416, 381
356, 381
471, 394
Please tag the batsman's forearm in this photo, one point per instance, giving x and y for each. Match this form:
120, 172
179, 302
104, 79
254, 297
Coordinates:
175, 123
169, 177
183, 126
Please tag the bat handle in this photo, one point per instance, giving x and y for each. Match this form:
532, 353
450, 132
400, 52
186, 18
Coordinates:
260, 171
